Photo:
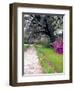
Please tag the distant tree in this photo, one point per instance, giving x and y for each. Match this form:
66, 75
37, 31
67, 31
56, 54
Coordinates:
44, 24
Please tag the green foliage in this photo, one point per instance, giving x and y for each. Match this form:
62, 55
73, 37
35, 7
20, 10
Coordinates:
50, 61
26, 46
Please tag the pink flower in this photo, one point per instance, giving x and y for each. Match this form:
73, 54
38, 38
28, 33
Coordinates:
58, 46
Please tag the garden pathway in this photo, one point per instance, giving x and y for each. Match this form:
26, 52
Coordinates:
31, 62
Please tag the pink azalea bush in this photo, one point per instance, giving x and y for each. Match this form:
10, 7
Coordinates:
58, 46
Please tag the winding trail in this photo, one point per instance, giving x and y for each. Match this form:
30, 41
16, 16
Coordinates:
31, 62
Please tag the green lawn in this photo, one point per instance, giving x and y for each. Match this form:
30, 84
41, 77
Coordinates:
26, 46
50, 61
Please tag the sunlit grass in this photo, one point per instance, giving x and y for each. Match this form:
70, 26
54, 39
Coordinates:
50, 61
26, 46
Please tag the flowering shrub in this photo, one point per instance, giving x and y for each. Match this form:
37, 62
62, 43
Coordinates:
58, 46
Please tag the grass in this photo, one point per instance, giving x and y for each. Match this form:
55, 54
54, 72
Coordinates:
26, 46
50, 61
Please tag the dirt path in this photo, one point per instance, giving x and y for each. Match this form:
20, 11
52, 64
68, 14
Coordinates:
31, 62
